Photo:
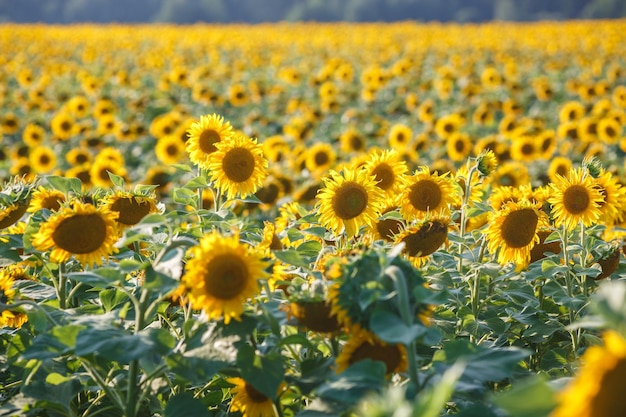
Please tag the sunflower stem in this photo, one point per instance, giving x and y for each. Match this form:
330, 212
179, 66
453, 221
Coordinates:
570, 290
132, 397
464, 204
404, 306
61, 290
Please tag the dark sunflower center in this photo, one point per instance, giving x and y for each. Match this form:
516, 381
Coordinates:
321, 158
81, 158
10, 122
207, 140
66, 126
448, 128
400, 137
609, 399
131, 210
349, 201
388, 228
81, 233
546, 144
171, 150
519, 228
44, 159
52, 203
384, 176
227, 276
527, 149
610, 132
255, 395
562, 170
269, 193
389, 354
426, 240
356, 143
35, 136
425, 195
576, 199
238, 164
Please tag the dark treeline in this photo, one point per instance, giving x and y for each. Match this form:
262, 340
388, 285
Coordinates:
255, 11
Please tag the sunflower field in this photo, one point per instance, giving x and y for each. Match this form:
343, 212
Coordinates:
313, 220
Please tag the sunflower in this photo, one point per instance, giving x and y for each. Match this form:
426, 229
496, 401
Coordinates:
250, 401
43, 198
388, 171
524, 148
169, 149
79, 229
575, 199
82, 172
42, 159
447, 125
319, 158
363, 344
99, 172
609, 130
238, 167
62, 126
203, 137
33, 135
349, 200
423, 239
78, 106
9, 318
597, 390
399, 136
9, 123
613, 198
426, 111
78, 156
387, 225
511, 173
458, 146
513, 231
222, 274
351, 141
131, 208
428, 193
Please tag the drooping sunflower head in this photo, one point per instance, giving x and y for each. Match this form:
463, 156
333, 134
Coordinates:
424, 238
131, 207
222, 274
204, 135
366, 345
389, 224
349, 200
238, 166
597, 390
513, 231
81, 230
9, 318
426, 193
575, 199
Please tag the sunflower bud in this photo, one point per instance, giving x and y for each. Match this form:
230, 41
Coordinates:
486, 162
593, 166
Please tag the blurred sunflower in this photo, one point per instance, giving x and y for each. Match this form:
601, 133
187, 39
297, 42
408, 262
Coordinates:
388, 171
363, 344
33, 135
524, 148
9, 123
204, 135
349, 200
238, 167
237, 95
458, 146
169, 149
575, 199
319, 158
426, 193
82, 172
62, 125
597, 390
78, 156
426, 111
447, 125
131, 207
571, 111
100, 169
249, 401
42, 159
609, 130
78, 106
399, 136
511, 173
351, 141
9, 318
79, 230
222, 274
559, 165
513, 231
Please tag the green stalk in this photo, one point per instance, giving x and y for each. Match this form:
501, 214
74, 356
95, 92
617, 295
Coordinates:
570, 289
132, 404
466, 194
61, 290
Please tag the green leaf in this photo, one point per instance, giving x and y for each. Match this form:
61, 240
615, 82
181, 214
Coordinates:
101, 277
310, 248
182, 167
111, 298
185, 405
197, 182
532, 397
265, 373
432, 402
65, 184
117, 180
185, 196
350, 386
390, 328
292, 257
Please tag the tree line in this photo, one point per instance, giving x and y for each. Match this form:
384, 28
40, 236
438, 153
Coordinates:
256, 11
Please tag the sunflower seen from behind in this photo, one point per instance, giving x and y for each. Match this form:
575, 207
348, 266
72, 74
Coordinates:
80, 230
350, 199
575, 199
204, 135
131, 207
250, 401
222, 274
238, 166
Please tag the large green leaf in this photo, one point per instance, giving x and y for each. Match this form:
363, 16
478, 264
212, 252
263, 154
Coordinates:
390, 328
532, 397
264, 372
185, 405
350, 386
